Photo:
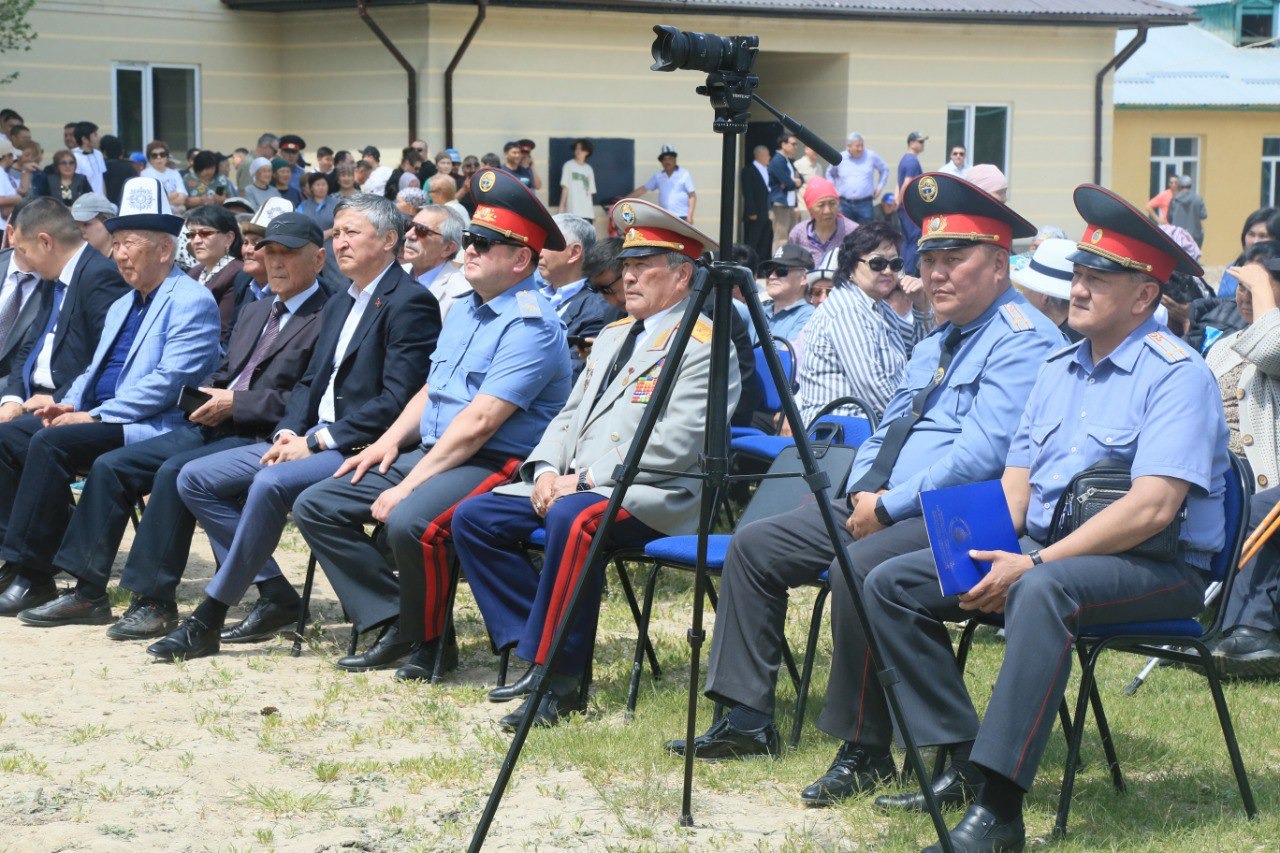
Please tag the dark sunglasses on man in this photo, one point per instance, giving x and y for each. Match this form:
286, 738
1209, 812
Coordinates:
484, 244
780, 270
424, 231
159, 155
602, 289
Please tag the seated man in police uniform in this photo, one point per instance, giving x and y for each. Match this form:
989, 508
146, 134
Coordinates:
1131, 394
269, 348
948, 423
498, 376
566, 481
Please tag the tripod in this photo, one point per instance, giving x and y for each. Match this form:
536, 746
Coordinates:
731, 92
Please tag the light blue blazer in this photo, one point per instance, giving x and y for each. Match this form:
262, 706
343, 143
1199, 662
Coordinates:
176, 345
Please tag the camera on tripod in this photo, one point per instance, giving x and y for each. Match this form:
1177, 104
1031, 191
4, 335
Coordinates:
690, 51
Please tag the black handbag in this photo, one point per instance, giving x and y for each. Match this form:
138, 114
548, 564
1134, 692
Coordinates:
1098, 487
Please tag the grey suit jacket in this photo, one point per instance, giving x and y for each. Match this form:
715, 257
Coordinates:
9, 346
597, 437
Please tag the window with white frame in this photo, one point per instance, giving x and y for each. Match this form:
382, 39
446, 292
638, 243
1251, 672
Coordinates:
1172, 156
154, 101
983, 129
1270, 171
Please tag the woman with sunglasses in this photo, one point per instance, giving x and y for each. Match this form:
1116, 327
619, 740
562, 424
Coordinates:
158, 167
855, 344
214, 240
65, 183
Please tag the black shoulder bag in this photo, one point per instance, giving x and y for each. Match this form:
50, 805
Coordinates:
1098, 487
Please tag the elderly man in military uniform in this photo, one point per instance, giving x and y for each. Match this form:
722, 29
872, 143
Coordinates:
1113, 397
566, 481
498, 376
949, 422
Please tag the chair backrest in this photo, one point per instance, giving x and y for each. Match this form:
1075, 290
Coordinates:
843, 429
1238, 488
782, 494
787, 355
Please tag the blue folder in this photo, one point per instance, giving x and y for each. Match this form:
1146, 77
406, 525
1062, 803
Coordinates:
972, 516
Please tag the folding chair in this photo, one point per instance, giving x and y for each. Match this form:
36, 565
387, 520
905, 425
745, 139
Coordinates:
825, 426
780, 491
1180, 640
772, 402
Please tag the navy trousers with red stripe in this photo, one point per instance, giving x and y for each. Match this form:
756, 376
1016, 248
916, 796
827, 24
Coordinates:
521, 606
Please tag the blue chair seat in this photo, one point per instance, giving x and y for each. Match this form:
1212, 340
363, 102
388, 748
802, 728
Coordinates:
743, 431
762, 446
1162, 627
683, 550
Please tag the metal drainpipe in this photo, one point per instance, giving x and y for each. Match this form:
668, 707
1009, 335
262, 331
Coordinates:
481, 9
409, 70
1116, 61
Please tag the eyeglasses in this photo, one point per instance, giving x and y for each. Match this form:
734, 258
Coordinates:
602, 289
202, 233
66, 162
879, 264
957, 153
777, 269
153, 155
425, 231
483, 244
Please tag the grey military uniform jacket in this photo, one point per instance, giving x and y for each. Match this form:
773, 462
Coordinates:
598, 436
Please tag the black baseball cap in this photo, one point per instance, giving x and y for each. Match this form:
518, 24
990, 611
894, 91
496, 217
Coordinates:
293, 231
789, 256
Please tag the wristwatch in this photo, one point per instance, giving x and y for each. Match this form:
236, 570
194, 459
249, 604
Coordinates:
583, 485
882, 514
1036, 559
313, 443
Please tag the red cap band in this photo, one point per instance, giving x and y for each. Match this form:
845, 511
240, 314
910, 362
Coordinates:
1128, 252
646, 237
966, 226
510, 224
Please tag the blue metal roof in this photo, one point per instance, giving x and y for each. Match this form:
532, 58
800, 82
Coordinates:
1188, 67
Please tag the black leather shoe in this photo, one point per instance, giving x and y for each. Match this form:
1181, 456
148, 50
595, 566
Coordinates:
144, 620
264, 621
423, 660
388, 649
191, 639
854, 771
980, 832
564, 697
723, 741
1248, 653
24, 593
70, 608
7, 573
522, 686
952, 788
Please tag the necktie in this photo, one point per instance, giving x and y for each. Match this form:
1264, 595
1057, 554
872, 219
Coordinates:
59, 291
269, 335
12, 304
896, 435
624, 355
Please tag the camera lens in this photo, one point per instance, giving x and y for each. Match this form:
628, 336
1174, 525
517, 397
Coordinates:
673, 48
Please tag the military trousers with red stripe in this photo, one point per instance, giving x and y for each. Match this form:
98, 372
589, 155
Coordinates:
522, 607
333, 514
1044, 612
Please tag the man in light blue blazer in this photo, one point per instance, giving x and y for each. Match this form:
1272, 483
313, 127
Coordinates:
156, 339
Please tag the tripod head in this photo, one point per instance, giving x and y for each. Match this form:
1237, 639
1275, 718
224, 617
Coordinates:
727, 61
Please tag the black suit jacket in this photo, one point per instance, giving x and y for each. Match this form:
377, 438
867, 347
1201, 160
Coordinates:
385, 364
755, 193
257, 409
583, 315
53, 187
118, 172
12, 343
95, 284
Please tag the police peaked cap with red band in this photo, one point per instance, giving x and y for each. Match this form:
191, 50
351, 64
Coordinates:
953, 213
1120, 238
647, 229
507, 210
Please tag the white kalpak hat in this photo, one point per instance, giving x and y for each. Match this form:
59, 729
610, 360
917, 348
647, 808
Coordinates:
1048, 271
144, 206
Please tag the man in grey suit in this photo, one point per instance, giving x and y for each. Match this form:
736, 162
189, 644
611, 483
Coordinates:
582, 311
567, 479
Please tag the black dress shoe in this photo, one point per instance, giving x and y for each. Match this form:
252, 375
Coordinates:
388, 649
955, 787
191, 639
522, 686
722, 741
264, 621
24, 593
980, 832
1248, 653
144, 620
70, 608
422, 662
563, 697
855, 770
7, 574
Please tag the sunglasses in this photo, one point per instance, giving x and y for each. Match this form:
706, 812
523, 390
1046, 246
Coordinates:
66, 162
879, 264
957, 153
602, 289
158, 154
425, 231
483, 244
778, 270
202, 233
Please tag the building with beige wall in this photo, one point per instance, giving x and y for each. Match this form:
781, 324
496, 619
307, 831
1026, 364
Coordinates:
1018, 82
